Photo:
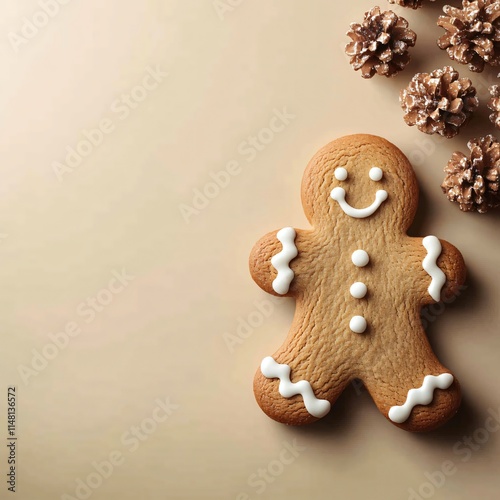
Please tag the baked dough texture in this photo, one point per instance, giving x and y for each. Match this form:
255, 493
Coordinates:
326, 347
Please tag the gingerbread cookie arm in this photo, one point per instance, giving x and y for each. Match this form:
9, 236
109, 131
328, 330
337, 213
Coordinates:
415, 392
451, 262
275, 260
442, 269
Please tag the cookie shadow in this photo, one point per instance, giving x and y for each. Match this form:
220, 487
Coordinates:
340, 420
339, 423
462, 426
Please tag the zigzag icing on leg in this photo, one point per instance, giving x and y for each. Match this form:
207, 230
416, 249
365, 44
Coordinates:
316, 407
421, 396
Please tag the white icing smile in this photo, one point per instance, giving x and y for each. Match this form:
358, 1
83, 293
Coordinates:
338, 194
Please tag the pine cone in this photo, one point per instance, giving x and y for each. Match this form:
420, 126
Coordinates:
473, 33
414, 4
439, 102
474, 182
380, 43
494, 104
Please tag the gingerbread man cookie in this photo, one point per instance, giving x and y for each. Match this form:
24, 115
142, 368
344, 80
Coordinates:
359, 282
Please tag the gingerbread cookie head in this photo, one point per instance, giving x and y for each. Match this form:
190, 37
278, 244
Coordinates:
359, 282
343, 185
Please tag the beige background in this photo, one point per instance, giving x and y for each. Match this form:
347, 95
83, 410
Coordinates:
162, 336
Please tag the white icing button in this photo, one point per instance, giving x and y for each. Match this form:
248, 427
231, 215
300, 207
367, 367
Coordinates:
376, 174
340, 174
358, 290
360, 258
358, 324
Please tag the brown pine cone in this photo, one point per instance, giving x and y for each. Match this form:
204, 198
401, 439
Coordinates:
472, 33
414, 4
439, 102
380, 43
473, 182
494, 104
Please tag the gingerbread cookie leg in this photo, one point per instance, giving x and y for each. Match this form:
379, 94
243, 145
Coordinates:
416, 400
297, 386
293, 400
286, 401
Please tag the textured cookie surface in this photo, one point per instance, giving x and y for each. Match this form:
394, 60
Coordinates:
359, 282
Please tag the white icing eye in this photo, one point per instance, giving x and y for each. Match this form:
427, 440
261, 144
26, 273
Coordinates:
340, 174
376, 174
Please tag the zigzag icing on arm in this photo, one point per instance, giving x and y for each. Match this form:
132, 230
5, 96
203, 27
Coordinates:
421, 396
434, 249
281, 261
316, 407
